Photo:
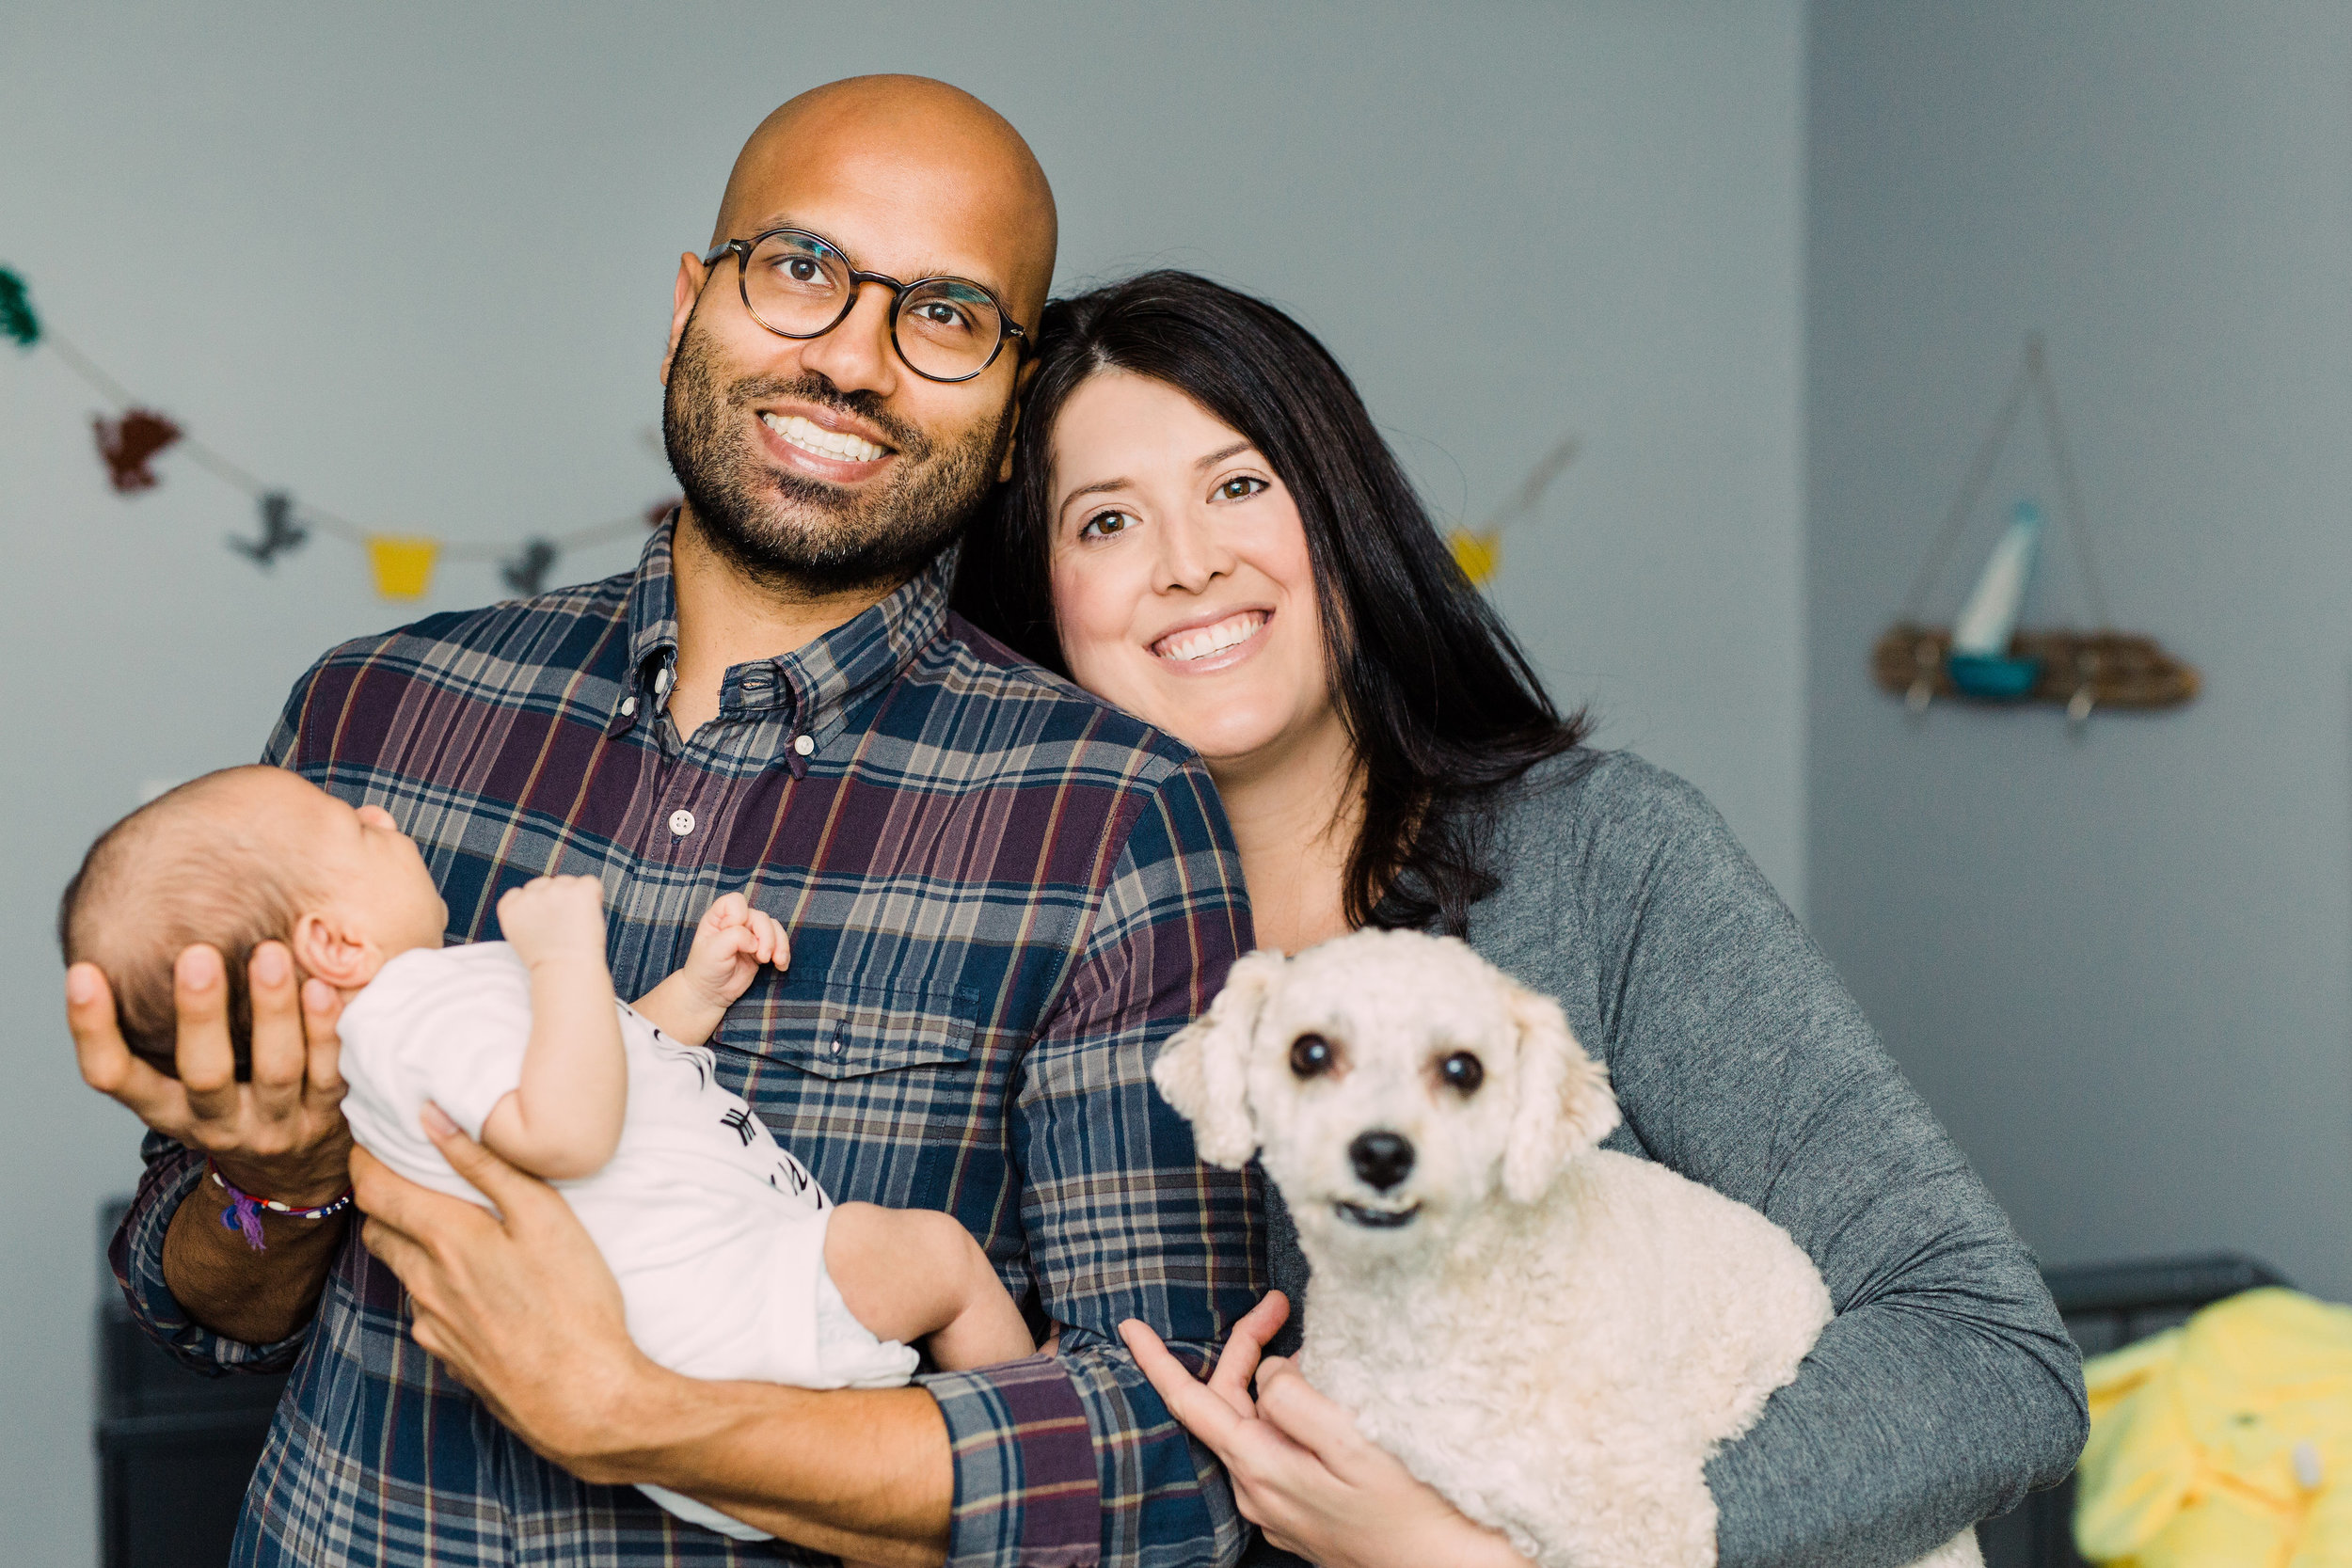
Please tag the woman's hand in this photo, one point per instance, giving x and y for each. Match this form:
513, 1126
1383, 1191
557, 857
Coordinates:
519, 1304
1301, 1471
279, 1135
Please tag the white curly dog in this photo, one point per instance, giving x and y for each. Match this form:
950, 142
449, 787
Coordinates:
1553, 1335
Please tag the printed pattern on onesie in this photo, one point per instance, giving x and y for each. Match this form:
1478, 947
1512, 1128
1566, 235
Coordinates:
715, 1232
662, 1067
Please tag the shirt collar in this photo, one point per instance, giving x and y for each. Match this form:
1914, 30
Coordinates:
817, 681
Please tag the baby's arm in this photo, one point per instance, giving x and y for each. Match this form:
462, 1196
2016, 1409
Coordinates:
730, 944
916, 1273
565, 1119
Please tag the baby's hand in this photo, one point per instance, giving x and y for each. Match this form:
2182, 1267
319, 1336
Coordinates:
730, 944
554, 917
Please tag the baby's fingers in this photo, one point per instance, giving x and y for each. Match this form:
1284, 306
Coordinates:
727, 910
773, 948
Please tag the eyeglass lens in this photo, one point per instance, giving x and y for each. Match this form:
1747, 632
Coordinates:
798, 285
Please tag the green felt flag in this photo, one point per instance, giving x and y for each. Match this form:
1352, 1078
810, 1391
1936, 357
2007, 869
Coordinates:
16, 310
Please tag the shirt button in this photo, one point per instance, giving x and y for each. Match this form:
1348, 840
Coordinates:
628, 705
681, 822
662, 681
805, 744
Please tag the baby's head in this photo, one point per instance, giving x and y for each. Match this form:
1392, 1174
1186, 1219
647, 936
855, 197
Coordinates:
235, 859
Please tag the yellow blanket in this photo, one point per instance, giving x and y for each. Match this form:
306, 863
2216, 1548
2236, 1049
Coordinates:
2225, 1443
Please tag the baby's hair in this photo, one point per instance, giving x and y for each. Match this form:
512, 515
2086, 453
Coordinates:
170, 875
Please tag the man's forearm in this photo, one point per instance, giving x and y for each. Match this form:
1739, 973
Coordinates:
862, 1473
256, 1298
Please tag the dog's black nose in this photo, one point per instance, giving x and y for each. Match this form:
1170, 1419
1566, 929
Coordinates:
1383, 1159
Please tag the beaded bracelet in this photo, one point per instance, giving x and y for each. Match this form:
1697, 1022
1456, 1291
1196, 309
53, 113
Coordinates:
243, 1213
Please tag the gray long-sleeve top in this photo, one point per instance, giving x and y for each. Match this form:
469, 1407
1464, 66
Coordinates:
1947, 1387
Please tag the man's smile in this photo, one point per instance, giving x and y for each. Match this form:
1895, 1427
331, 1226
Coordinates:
823, 442
813, 437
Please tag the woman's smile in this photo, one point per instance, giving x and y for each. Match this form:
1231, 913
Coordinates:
1205, 645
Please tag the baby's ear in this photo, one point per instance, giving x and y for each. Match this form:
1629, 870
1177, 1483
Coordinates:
322, 946
1201, 1071
1565, 1107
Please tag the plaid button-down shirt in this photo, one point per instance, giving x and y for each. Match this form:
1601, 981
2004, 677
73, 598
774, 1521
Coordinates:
1002, 897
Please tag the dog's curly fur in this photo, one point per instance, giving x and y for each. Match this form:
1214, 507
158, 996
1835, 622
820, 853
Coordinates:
1554, 1336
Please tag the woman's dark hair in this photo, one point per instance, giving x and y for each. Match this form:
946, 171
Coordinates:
1441, 706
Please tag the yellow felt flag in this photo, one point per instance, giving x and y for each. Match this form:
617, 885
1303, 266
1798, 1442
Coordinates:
1477, 554
403, 566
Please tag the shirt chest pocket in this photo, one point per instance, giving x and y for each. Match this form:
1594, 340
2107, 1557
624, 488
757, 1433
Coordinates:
865, 1084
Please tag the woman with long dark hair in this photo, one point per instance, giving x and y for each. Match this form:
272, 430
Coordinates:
1205, 527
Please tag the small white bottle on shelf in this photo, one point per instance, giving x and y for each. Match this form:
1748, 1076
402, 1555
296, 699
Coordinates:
1989, 617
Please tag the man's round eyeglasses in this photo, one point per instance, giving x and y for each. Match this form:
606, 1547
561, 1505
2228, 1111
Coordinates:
796, 284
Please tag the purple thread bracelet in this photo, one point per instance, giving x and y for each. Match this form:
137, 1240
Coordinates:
243, 1213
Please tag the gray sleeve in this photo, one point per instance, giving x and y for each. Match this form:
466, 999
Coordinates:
1947, 1387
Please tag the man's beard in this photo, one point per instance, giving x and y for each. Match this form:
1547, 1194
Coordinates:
791, 530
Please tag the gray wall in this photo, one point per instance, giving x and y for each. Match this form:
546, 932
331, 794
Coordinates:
2119, 966
415, 264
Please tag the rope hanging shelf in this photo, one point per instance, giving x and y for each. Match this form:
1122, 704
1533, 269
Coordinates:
2079, 670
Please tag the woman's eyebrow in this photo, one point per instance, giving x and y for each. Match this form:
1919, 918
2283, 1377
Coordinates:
1101, 486
1096, 488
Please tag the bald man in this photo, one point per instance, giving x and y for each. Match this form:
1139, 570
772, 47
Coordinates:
1001, 895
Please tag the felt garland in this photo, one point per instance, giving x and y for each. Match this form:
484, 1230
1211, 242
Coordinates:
279, 531
1478, 551
17, 320
401, 564
528, 572
129, 444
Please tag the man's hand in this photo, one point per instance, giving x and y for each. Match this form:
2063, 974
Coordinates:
280, 1136
521, 1307
520, 1303
554, 918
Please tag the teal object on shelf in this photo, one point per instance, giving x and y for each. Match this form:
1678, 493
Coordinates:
1992, 677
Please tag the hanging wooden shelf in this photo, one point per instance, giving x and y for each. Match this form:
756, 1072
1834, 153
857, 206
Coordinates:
2079, 669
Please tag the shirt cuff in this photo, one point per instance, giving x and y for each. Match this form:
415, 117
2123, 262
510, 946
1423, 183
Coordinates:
137, 1257
1027, 1494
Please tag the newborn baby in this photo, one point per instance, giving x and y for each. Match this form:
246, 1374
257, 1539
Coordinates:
732, 1261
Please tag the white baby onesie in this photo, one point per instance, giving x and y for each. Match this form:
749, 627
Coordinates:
716, 1233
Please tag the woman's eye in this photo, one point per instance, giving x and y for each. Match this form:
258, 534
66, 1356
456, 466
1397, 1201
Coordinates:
1239, 489
1463, 1071
1310, 1055
1104, 524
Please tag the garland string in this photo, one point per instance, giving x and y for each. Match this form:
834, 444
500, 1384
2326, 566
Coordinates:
402, 564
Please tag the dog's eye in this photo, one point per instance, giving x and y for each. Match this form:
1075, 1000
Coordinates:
1310, 1055
1463, 1071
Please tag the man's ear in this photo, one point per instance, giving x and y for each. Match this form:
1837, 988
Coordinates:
1563, 1104
1201, 1071
688, 288
327, 945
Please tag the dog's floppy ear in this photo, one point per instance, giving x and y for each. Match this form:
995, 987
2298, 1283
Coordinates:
1565, 1107
1201, 1072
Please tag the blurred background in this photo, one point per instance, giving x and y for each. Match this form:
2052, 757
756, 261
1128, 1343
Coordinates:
1770, 263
